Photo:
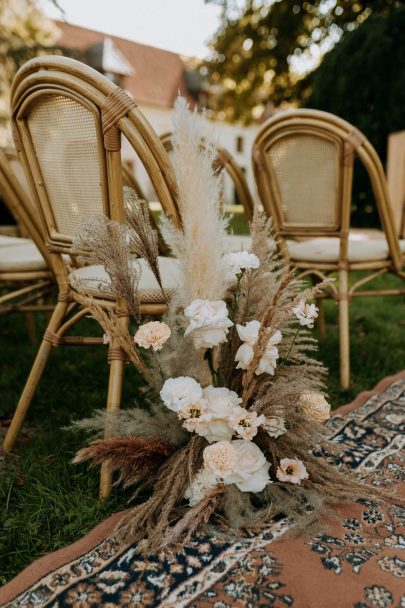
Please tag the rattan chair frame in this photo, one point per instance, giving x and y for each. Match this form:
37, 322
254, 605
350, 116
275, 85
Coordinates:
350, 142
225, 161
26, 291
66, 77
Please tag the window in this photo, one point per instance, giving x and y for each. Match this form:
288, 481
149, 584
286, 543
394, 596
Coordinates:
239, 143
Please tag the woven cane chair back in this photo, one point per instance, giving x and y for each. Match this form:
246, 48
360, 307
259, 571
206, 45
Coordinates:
66, 138
67, 124
303, 166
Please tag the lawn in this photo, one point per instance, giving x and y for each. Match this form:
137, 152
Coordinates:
47, 503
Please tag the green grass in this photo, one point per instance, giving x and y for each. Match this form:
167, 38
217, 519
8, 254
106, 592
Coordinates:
47, 503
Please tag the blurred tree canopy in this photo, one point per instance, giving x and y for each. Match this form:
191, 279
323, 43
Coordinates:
264, 50
363, 80
25, 32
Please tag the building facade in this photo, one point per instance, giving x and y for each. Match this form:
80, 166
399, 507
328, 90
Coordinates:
154, 77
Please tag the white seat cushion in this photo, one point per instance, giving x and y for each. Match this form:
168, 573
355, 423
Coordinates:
96, 281
21, 258
7, 241
325, 249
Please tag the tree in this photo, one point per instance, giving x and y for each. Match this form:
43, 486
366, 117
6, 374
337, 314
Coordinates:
261, 52
363, 80
25, 32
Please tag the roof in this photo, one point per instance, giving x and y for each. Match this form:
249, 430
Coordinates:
157, 76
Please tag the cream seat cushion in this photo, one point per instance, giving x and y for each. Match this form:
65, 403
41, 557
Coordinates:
7, 241
21, 258
240, 242
325, 249
97, 282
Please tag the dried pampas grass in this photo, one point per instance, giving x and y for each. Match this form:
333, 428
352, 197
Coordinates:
200, 246
103, 242
143, 239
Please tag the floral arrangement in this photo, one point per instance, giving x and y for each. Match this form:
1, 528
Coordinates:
235, 398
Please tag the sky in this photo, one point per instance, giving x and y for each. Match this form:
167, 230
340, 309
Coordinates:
182, 26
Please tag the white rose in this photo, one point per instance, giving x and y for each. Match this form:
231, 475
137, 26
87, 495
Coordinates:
268, 362
214, 423
153, 334
249, 334
315, 406
240, 260
251, 471
203, 482
180, 392
306, 313
209, 322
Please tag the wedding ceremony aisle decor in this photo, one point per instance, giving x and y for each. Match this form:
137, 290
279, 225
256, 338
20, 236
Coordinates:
233, 435
357, 554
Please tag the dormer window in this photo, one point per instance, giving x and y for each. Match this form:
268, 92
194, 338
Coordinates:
106, 57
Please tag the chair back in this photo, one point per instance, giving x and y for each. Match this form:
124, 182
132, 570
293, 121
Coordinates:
225, 161
67, 124
303, 165
13, 189
396, 179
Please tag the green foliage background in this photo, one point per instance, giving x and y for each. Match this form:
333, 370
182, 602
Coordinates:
363, 80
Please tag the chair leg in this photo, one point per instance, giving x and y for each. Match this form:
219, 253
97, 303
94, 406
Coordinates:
117, 363
33, 379
344, 330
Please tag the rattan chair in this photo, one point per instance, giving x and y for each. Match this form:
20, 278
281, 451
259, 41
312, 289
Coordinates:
225, 162
67, 122
303, 165
26, 278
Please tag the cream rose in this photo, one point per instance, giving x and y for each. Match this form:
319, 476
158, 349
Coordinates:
209, 323
315, 406
251, 471
153, 334
178, 393
220, 458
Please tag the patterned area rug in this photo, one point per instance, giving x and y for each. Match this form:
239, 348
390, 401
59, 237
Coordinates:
356, 562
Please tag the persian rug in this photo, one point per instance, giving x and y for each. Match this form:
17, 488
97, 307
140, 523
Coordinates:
357, 561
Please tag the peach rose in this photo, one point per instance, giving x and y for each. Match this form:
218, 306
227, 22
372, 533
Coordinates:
153, 334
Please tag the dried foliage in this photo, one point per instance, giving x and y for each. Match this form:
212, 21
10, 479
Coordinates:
102, 242
115, 327
134, 458
151, 521
199, 247
153, 422
143, 238
153, 448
